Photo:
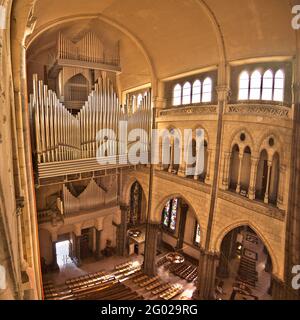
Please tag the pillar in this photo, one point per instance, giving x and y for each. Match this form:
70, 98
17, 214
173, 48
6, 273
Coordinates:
209, 156
281, 186
238, 187
182, 222
171, 157
182, 167
98, 245
225, 182
206, 276
253, 174
122, 231
152, 230
266, 199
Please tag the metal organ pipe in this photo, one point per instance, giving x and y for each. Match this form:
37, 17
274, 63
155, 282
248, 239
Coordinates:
61, 136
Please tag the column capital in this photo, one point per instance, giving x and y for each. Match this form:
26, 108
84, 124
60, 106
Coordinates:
223, 92
270, 162
254, 160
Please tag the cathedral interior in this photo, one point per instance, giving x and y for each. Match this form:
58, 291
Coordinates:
94, 205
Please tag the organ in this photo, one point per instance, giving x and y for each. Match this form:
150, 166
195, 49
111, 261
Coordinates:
59, 136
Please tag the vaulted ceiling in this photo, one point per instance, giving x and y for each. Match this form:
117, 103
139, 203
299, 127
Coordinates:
167, 37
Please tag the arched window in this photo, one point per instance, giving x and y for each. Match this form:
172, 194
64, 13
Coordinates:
196, 96
169, 215
207, 90
197, 235
255, 86
134, 217
267, 92
177, 95
279, 86
139, 100
186, 95
244, 86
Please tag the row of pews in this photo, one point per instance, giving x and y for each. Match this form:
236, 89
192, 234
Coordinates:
157, 288
95, 286
183, 270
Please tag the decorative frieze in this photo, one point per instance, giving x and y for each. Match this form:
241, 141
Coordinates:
261, 110
198, 109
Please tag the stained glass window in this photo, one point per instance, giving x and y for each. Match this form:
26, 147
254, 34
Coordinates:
166, 214
197, 234
169, 215
135, 204
174, 214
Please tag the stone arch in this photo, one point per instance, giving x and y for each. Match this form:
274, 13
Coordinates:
125, 198
263, 144
234, 139
161, 204
200, 126
218, 240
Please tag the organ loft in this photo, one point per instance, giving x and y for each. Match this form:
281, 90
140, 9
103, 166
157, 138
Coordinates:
149, 151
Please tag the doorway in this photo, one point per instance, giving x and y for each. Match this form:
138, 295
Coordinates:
63, 253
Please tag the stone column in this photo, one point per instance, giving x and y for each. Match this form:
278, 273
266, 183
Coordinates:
206, 276
208, 175
182, 222
266, 199
122, 232
238, 187
225, 181
98, 255
253, 174
160, 166
171, 156
182, 166
281, 186
152, 230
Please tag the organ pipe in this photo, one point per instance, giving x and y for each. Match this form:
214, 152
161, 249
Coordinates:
61, 136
